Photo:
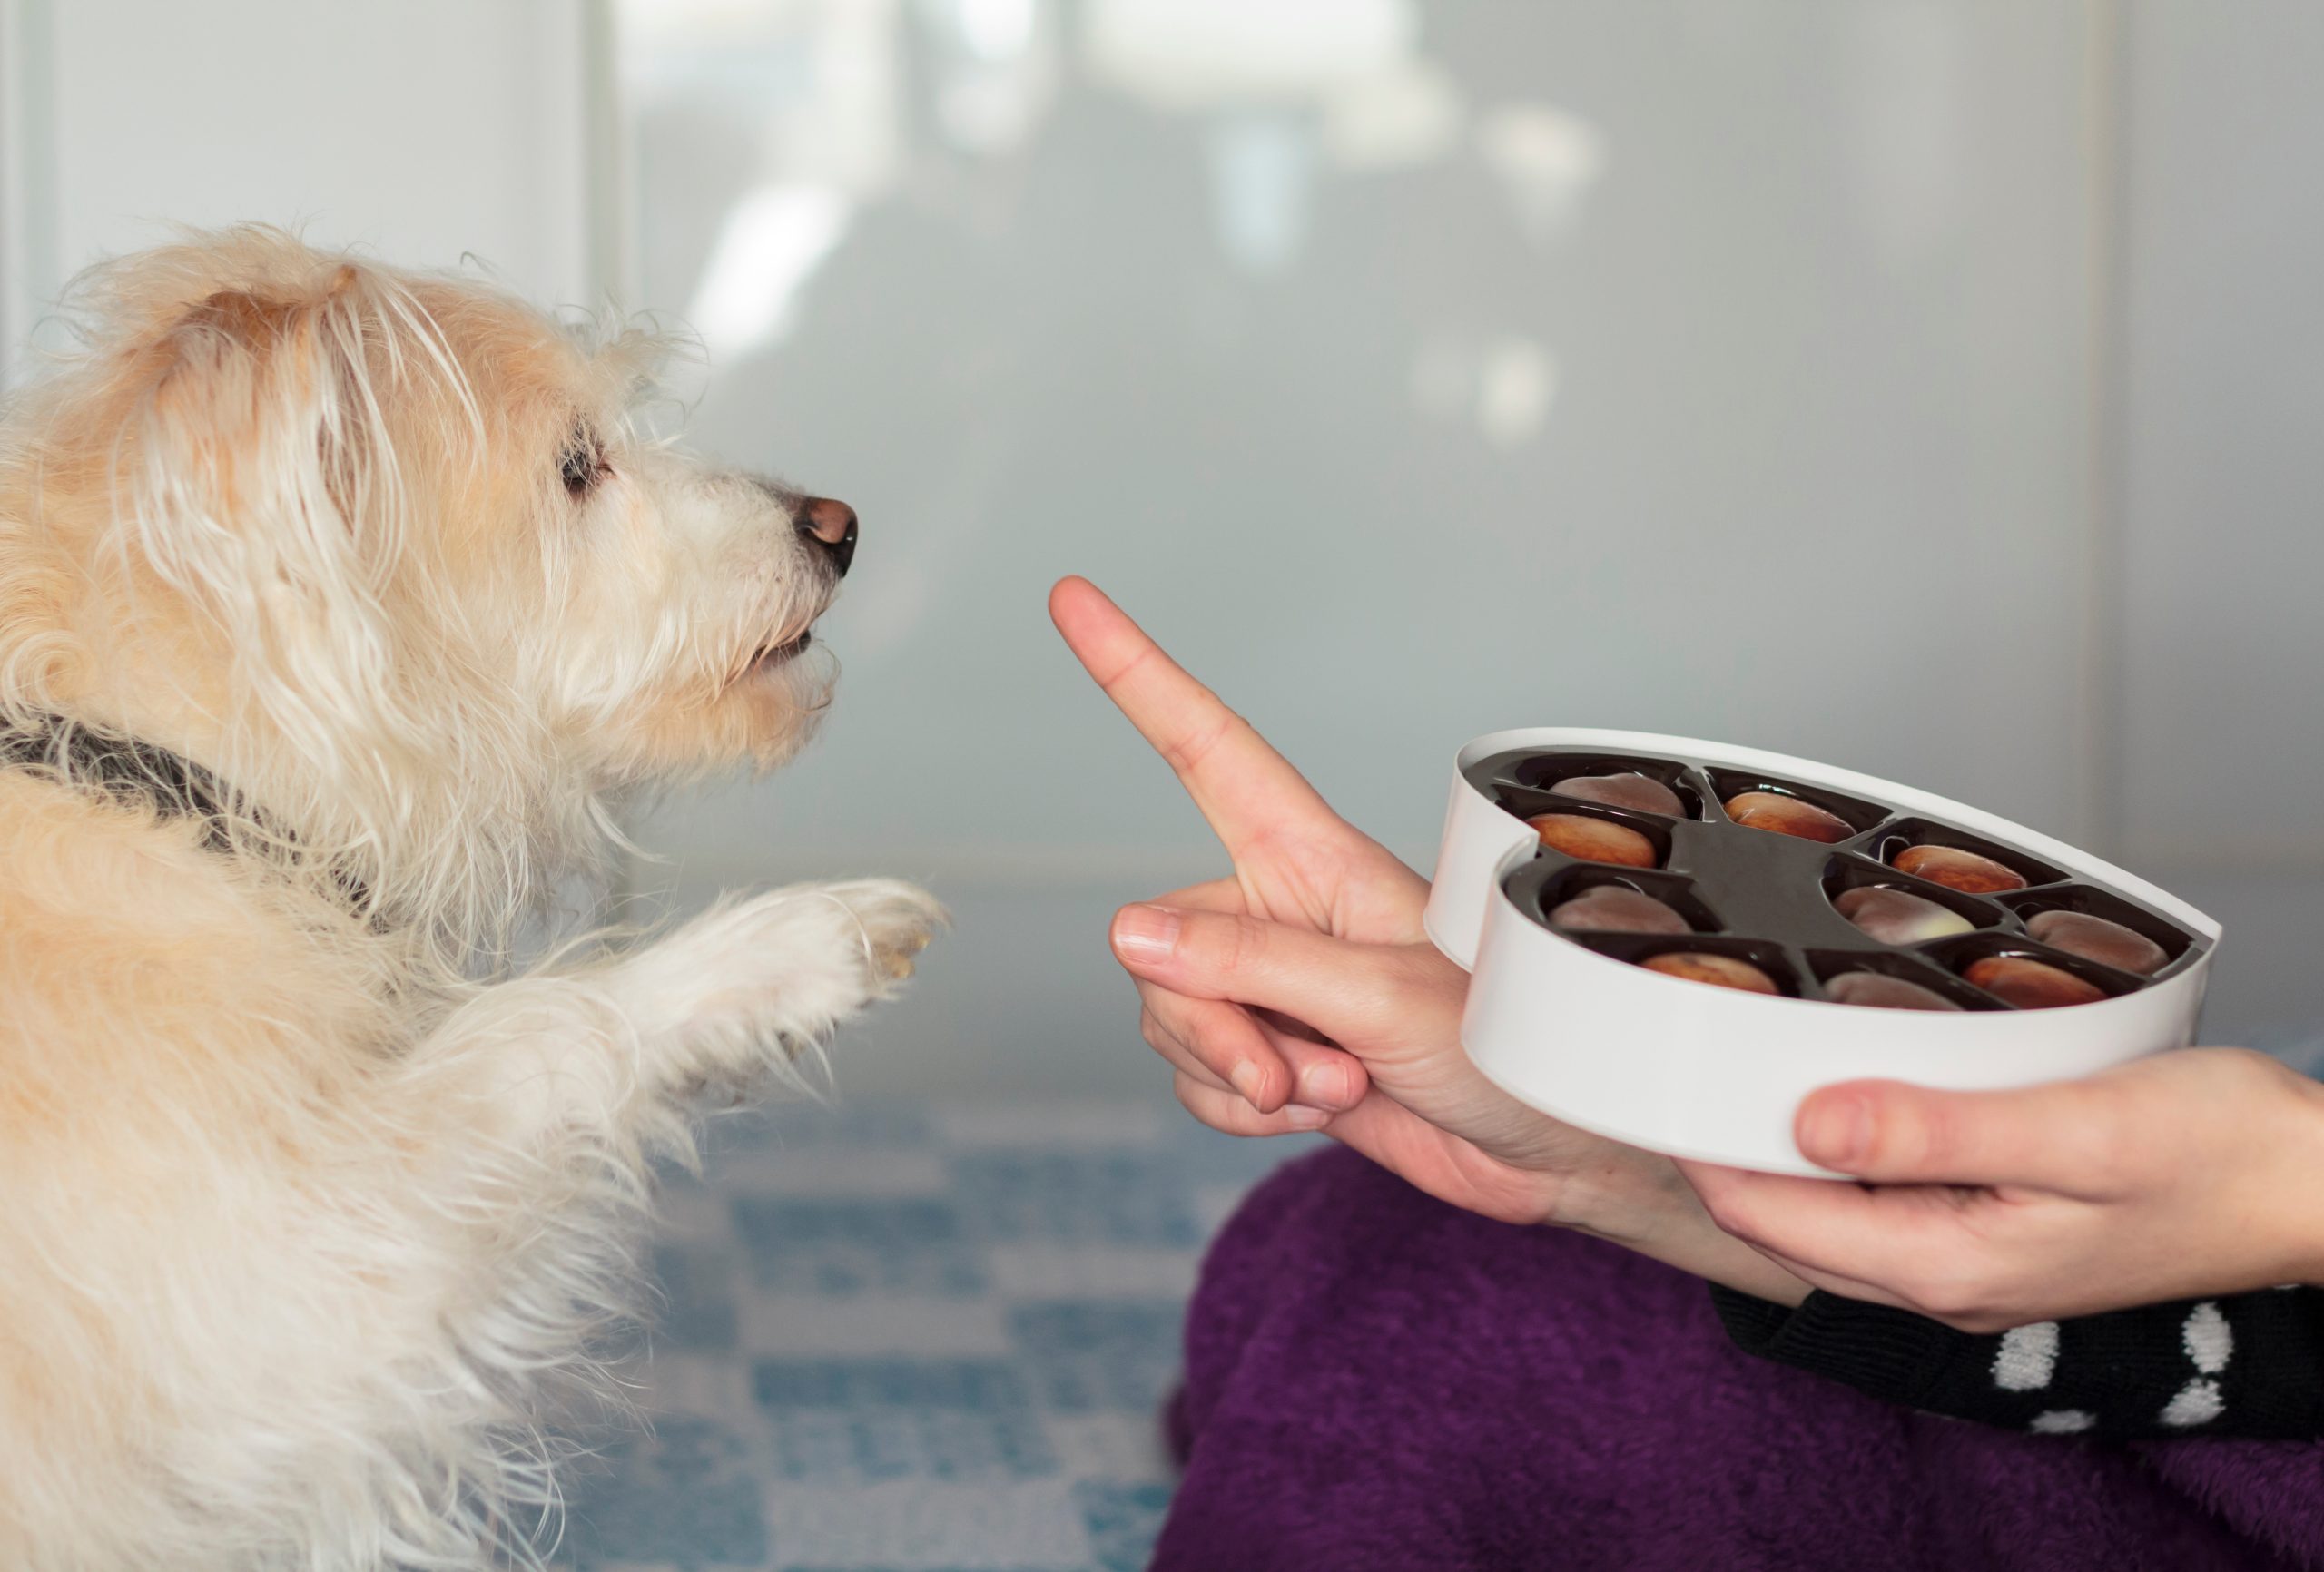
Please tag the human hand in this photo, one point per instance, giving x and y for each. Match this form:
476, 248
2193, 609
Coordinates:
1425, 1112
1293, 862
2183, 1174
1305, 974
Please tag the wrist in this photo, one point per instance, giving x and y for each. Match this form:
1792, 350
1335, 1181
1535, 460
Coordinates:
1624, 1196
1643, 1203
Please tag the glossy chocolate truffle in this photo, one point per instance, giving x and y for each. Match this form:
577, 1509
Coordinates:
1877, 990
1787, 816
1957, 870
1898, 916
1719, 970
2096, 938
1593, 840
2031, 985
1617, 908
1627, 789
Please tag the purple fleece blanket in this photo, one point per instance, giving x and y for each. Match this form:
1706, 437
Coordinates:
1376, 1380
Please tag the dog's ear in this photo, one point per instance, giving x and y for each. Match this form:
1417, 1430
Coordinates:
264, 489
257, 395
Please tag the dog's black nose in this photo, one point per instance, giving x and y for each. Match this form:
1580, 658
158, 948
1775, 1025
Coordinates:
830, 523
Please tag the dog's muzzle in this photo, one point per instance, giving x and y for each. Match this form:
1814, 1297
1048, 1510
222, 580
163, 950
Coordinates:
831, 525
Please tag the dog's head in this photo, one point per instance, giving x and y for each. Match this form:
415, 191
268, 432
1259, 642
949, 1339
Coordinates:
347, 529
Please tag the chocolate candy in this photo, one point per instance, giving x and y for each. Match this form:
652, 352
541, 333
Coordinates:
2031, 985
1957, 870
1644, 863
1723, 971
1628, 789
1787, 816
1876, 990
2096, 938
1617, 908
1593, 840
1898, 916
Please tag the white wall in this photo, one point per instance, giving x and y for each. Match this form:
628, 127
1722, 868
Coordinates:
2222, 437
426, 129
1415, 371
1926, 385
2220, 471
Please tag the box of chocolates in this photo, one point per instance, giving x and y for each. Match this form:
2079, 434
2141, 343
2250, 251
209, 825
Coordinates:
1672, 942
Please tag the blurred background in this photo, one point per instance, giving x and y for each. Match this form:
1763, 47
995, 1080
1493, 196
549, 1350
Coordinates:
1925, 385
1930, 387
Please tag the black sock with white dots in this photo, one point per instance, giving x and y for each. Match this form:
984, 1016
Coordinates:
2248, 1365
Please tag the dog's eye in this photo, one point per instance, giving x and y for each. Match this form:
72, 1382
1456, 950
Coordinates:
582, 463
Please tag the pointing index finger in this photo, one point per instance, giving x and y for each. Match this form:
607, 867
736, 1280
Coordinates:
1243, 786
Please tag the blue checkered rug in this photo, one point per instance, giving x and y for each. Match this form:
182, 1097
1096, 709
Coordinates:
906, 1338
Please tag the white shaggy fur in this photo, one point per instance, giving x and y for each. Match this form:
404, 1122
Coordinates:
313, 1210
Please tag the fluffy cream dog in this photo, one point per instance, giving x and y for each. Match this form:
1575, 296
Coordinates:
337, 605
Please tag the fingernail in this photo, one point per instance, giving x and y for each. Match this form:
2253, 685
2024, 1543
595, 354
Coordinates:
1836, 1131
1147, 933
1246, 1078
1325, 1087
1300, 1118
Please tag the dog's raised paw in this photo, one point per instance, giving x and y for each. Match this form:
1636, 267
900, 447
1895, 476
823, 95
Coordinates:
778, 970
898, 921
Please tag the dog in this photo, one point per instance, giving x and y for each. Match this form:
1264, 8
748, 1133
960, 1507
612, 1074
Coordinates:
341, 607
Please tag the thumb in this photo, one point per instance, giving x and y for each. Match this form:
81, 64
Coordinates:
2050, 1137
1342, 988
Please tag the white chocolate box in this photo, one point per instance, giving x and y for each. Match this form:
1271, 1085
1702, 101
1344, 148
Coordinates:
1711, 1073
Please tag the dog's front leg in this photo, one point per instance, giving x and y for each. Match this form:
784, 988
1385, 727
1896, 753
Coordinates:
734, 997
727, 1003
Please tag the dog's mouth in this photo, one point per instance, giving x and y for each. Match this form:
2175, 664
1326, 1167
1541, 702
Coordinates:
787, 640
767, 657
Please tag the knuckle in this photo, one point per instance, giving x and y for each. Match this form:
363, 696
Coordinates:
1186, 752
1240, 942
1204, 1104
2250, 1073
1224, 1112
2108, 1136
1731, 1210
2109, 1157
1917, 1135
2244, 1061
1201, 1042
1266, 1087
